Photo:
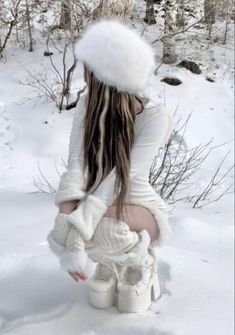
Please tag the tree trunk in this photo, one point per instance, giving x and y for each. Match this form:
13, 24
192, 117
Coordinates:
150, 15
29, 26
226, 12
180, 16
209, 11
169, 44
65, 15
11, 24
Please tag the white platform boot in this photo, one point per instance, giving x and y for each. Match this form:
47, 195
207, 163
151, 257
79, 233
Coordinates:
126, 273
102, 287
110, 241
140, 284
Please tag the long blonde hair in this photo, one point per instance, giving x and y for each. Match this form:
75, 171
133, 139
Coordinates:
109, 135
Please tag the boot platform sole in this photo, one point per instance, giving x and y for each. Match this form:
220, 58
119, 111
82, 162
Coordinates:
139, 303
102, 300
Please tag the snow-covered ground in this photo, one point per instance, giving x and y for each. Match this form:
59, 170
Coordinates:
196, 268
196, 271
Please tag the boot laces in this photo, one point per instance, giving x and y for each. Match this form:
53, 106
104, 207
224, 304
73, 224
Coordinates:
111, 266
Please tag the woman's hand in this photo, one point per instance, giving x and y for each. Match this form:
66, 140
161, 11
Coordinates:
78, 276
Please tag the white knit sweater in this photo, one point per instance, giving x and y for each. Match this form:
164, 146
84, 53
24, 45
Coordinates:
153, 128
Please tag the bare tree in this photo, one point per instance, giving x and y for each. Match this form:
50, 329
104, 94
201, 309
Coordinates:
169, 44
28, 18
109, 8
174, 177
205, 197
226, 11
209, 11
57, 87
180, 16
150, 15
8, 24
65, 14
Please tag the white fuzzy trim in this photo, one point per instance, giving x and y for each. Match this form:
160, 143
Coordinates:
74, 261
71, 187
117, 55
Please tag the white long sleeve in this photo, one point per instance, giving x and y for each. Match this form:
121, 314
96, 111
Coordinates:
155, 133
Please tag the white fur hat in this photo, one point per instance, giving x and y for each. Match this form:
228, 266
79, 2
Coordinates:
117, 55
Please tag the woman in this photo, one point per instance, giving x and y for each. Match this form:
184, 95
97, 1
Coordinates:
107, 208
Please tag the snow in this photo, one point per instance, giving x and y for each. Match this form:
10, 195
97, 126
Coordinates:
196, 271
196, 268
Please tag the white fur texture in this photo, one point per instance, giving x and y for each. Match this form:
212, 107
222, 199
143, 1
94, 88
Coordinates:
74, 261
117, 55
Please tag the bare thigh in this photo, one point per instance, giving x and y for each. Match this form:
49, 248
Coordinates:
137, 218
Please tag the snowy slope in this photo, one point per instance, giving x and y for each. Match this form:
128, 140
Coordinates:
196, 268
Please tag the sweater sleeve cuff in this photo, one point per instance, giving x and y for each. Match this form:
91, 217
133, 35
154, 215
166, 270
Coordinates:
87, 216
71, 187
